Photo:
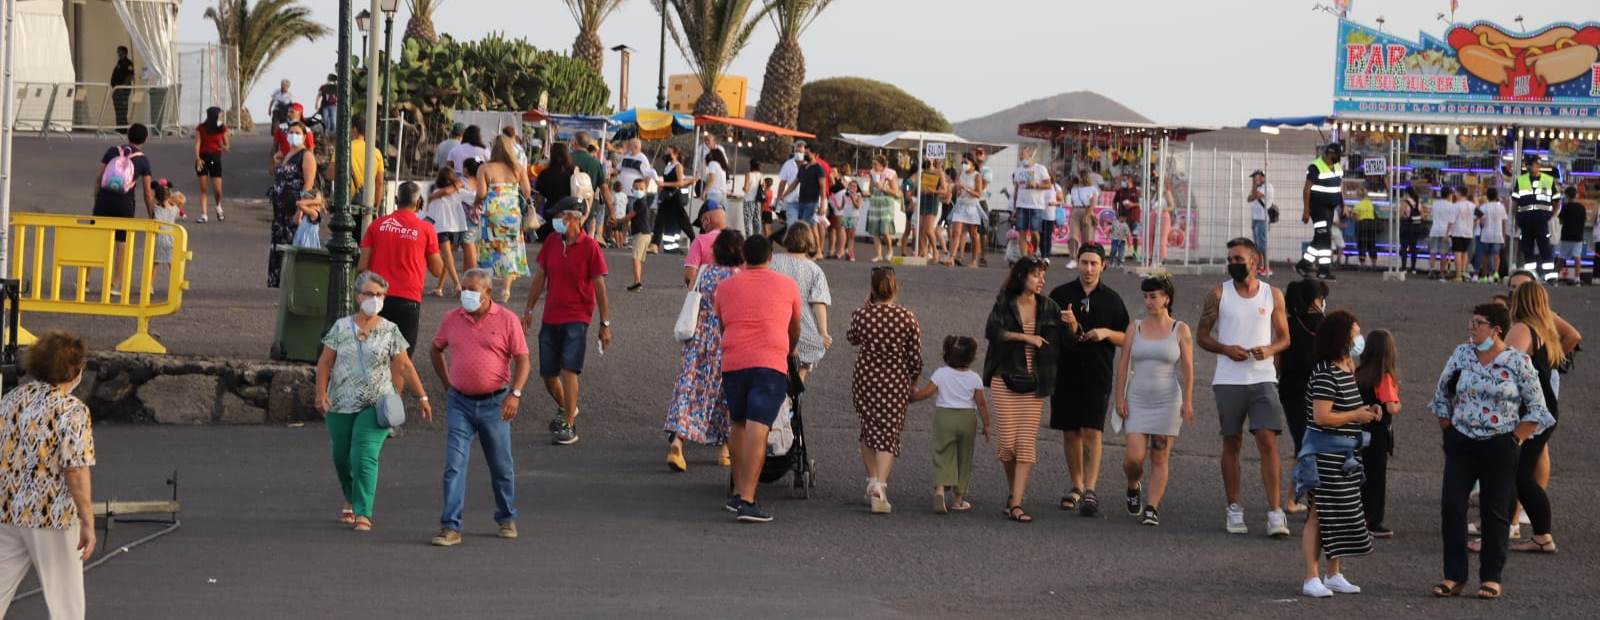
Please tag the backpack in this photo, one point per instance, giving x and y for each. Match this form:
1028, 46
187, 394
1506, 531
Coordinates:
118, 176
582, 186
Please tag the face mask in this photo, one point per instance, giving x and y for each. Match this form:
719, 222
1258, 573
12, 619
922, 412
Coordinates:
560, 225
1238, 271
1488, 343
472, 300
799, 156
297, 140
371, 306
966, 167
1358, 346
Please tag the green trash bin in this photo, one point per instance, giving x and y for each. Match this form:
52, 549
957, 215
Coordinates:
302, 304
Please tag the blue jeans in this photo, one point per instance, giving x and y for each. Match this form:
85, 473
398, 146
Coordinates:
466, 418
1118, 247
1258, 230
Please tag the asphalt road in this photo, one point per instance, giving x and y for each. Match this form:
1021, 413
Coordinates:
607, 530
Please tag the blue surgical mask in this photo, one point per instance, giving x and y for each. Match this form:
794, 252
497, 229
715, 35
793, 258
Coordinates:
560, 225
1358, 346
471, 301
1488, 343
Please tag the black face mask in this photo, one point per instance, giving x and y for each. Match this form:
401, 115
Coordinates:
1238, 271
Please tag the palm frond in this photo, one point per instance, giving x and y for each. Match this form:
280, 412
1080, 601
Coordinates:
711, 33
589, 14
423, 7
792, 17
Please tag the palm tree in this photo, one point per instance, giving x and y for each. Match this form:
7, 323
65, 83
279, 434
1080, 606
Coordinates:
420, 24
711, 33
786, 67
590, 14
260, 34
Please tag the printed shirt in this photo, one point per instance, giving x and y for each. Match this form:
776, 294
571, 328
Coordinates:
360, 374
570, 270
401, 244
756, 306
813, 285
44, 432
1030, 198
1486, 400
481, 350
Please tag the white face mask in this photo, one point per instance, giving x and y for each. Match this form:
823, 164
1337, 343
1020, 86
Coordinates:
371, 306
471, 301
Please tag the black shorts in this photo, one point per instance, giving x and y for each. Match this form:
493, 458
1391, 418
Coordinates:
1460, 244
210, 165
109, 204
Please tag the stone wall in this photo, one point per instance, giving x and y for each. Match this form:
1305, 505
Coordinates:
171, 389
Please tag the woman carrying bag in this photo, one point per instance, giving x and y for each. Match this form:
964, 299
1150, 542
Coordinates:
362, 356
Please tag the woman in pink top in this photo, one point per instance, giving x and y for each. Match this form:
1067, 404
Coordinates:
697, 411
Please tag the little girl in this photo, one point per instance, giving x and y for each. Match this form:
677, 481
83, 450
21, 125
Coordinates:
169, 208
308, 230
955, 420
1375, 376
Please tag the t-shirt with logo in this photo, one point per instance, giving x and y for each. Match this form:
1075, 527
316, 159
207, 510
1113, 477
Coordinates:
1026, 174
401, 244
569, 273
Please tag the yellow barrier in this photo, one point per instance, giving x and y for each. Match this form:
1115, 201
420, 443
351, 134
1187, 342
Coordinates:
43, 246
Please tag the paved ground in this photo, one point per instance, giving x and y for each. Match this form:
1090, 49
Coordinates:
608, 531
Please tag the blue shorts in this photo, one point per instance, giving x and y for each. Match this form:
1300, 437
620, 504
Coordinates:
452, 238
561, 347
1030, 220
754, 394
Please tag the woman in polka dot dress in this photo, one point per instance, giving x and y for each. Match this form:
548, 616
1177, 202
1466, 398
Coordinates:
887, 366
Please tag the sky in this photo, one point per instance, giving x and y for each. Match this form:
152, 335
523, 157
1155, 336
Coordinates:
1197, 62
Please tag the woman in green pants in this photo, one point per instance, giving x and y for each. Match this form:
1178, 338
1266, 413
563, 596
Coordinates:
362, 356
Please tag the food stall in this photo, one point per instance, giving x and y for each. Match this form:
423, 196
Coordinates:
1463, 109
937, 146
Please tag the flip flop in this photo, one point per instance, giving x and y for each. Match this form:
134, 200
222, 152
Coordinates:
961, 506
1443, 589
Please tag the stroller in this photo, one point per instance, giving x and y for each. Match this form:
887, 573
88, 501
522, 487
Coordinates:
786, 445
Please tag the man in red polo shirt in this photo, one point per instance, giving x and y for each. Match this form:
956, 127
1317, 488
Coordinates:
573, 271
280, 134
403, 248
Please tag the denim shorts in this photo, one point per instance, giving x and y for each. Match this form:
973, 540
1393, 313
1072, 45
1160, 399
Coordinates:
1571, 249
452, 238
1030, 220
561, 347
1258, 230
754, 394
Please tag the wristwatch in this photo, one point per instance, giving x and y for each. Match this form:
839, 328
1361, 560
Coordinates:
516, 393
605, 323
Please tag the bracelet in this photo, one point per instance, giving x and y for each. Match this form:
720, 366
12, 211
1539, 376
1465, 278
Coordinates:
423, 398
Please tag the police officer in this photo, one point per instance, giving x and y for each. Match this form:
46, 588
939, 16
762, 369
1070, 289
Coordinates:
1534, 191
1323, 197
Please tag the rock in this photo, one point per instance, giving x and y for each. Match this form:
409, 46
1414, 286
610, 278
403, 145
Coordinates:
255, 394
291, 398
113, 388
180, 399
236, 411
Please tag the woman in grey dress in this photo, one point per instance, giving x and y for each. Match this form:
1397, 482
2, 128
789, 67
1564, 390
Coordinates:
1155, 382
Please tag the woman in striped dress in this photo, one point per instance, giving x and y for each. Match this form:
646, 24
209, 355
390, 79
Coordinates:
1024, 331
1336, 525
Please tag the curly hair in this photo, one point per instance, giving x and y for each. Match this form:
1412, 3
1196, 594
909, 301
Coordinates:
56, 358
1333, 337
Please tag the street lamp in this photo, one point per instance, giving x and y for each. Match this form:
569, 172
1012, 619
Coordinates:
389, 7
661, 78
622, 87
364, 24
342, 245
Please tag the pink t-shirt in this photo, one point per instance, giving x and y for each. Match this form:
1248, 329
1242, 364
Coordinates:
480, 350
700, 250
756, 306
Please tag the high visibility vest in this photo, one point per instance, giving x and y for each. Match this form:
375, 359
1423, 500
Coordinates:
1329, 178
1534, 196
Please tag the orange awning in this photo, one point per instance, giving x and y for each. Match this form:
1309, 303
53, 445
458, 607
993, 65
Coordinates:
750, 125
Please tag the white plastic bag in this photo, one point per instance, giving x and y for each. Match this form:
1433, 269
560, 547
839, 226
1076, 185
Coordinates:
781, 437
689, 314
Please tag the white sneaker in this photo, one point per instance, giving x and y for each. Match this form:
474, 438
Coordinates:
1236, 520
1277, 524
1315, 589
1338, 583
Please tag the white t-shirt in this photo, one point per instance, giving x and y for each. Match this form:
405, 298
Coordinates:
1096, 180
1258, 208
956, 387
752, 180
1443, 214
1030, 198
716, 180
1494, 222
447, 213
464, 152
634, 167
788, 174
441, 153
1050, 202
1464, 219
1083, 196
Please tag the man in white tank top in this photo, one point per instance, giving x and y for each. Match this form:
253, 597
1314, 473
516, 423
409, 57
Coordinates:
1244, 324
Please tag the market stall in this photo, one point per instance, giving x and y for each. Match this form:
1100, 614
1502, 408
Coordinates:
930, 145
647, 124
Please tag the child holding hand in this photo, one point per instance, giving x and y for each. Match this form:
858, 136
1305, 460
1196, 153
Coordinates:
959, 408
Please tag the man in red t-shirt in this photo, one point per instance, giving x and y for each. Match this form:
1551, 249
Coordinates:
403, 248
573, 271
280, 134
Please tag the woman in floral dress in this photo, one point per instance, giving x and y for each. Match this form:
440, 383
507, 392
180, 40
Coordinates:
291, 181
500, 244
698, 412
886, 368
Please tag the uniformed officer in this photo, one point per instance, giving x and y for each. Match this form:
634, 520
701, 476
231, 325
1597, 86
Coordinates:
1534, 192
1323, 197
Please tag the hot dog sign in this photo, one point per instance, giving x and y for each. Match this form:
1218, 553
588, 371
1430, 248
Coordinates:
1477, 69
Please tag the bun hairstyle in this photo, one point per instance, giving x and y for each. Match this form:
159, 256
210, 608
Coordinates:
959, 351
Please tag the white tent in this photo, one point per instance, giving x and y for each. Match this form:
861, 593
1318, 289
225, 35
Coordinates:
43, 59
65, 52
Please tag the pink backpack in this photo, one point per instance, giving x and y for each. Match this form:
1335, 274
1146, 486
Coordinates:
118, 176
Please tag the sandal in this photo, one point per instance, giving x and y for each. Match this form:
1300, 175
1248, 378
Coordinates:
961, 505
1090, 506
939, 504
347, 516
1445, 589
1070, 501
1489, 591
1016, 513
1533, 545
363, 524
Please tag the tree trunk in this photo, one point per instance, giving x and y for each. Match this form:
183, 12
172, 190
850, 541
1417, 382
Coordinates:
420, 27
780, 96
711, 104
587, 47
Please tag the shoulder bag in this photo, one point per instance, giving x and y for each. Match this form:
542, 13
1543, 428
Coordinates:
689, 314
391, 410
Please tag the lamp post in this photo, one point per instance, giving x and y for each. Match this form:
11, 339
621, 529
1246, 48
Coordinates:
342, 246
622, 86
364, 24
661, 77
389, 8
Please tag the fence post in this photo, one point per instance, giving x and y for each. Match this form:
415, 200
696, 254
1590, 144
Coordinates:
1214, 193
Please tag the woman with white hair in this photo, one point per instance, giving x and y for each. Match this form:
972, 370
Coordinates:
363, 360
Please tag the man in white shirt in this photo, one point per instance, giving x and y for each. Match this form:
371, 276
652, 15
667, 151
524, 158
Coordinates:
1493, 238
278, 109
1443, 213
1461, 232
1030, 181
788, 186
1260, 199
441, 153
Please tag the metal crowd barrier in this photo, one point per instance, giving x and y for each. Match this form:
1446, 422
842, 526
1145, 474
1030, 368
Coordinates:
92, 106
45, 246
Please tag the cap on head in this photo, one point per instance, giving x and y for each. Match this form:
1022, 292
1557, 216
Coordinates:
1258, 173
570, 204
457, 129
1333, 148
1530, 160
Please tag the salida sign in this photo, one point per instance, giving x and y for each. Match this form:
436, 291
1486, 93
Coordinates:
1474, 63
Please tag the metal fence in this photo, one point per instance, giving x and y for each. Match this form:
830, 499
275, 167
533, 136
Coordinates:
1207, 189
64, 107
203, 79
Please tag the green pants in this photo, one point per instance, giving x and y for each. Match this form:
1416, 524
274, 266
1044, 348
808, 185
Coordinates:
357, 439
954, 431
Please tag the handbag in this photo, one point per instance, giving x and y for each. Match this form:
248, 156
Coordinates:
1272, 214
1021, 383
689, 314
391, 410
